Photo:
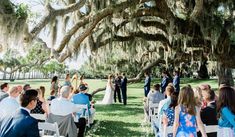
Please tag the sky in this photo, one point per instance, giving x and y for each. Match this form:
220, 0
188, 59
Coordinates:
35, 6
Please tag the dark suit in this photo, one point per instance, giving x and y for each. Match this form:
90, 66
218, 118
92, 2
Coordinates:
209, 117
117, 89
176, 83
147, 85
124, 87
164, 84
21, 124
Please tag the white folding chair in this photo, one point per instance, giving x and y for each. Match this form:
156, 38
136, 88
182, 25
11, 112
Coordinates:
153, 108
167, 130
39, 116
85, 114
211, 128
49, 127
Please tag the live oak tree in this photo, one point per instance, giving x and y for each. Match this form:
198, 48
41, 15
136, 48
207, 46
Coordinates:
174, 31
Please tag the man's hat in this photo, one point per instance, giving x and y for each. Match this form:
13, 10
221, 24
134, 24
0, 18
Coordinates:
82, 87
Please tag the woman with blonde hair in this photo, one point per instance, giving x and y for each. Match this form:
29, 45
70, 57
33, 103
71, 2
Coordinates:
187, 115
198, 96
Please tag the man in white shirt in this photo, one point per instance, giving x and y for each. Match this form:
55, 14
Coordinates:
9, 104
62, 106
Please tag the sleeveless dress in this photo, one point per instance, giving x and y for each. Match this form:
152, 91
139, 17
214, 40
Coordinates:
187, 124
55, 86
38, 109
109, 95
170, 114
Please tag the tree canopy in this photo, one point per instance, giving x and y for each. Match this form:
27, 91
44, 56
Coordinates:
150, 31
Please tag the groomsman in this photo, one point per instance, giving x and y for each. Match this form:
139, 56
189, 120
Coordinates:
176, 81
117, 91
124, 88
147, 83
164, 82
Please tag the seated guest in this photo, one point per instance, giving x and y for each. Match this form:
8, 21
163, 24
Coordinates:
154, 96
164, 104
9, 104
169, 114
41, 106
3, 92
209, 114
198, 96
62, 106
21, 124
26, 87
83, 99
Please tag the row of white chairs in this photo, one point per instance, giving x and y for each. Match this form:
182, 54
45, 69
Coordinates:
54, 126
208, 129
153, 117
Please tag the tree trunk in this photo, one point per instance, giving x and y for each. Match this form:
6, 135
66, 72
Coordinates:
4, 73
224, 75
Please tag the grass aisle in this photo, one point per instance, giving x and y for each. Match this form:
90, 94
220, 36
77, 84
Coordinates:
120, 120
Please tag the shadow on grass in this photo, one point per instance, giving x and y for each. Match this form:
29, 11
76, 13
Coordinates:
108, 128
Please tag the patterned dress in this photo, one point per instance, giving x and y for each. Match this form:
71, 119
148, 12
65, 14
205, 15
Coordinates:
187, 124
170, 114
38, 109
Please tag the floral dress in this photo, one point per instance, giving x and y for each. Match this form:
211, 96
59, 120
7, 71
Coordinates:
170, 114
187, 124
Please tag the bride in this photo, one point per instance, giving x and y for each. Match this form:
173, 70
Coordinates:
109, 92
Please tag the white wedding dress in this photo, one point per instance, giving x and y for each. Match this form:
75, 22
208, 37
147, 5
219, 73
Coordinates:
109, 93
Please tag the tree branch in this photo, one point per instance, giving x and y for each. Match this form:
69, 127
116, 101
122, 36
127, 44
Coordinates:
52, 13
94, 20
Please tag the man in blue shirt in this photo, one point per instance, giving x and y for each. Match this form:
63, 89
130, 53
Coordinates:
83, 99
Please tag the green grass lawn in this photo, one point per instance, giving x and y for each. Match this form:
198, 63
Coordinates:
117, 119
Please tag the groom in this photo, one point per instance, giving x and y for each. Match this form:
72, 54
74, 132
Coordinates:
124, 88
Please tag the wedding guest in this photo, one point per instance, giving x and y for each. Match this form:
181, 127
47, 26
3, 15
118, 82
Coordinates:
63, 107
169, 113
26, 87
83, 99
55, 86
21, 124
3, 92
9, 105
41, 106
187, 115
154, 96
226, 112
198, 96
164, 104
209, 114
